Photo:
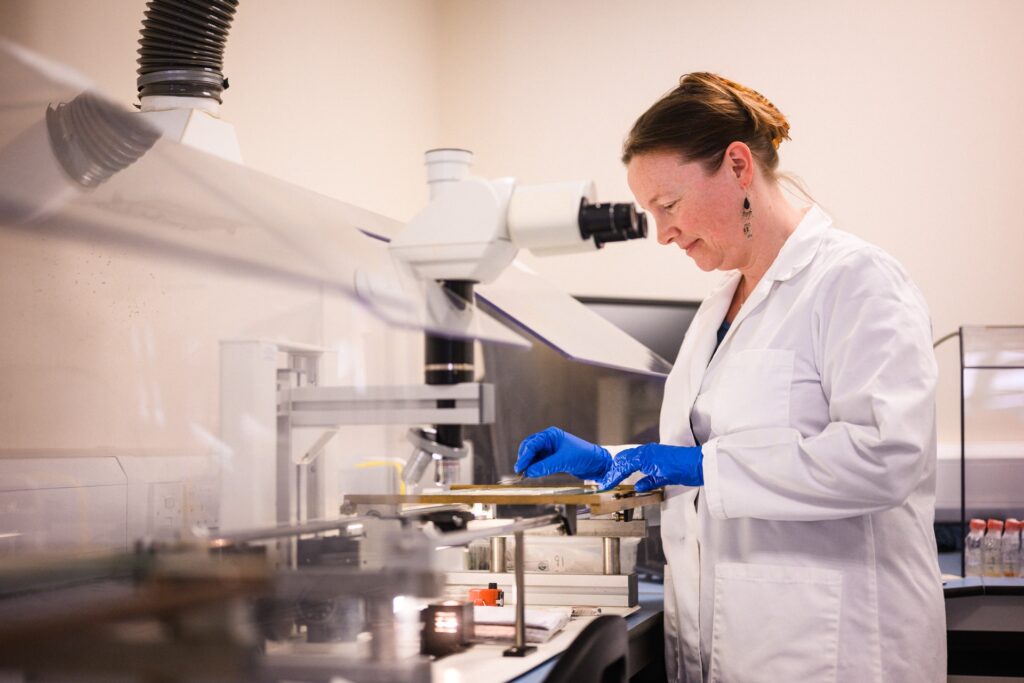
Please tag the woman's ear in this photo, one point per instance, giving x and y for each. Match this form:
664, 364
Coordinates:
740, 162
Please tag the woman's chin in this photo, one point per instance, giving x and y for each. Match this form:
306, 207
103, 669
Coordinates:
705, 264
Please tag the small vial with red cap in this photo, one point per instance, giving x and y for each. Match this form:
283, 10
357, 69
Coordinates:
1010, 545
991, 549
972, 548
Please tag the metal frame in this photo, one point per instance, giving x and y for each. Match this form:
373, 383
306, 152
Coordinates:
277, 384
316, 406
963, 458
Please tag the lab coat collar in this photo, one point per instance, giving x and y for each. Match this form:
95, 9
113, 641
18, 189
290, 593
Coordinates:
801, 246
797, 252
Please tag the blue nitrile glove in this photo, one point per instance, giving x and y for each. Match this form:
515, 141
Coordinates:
664, 465
553, 450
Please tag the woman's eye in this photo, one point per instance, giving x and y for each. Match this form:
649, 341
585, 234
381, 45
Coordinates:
669, 206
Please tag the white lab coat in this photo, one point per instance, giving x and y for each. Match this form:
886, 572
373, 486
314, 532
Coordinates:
809, 553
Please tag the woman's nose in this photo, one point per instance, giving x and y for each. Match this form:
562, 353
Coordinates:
666, 231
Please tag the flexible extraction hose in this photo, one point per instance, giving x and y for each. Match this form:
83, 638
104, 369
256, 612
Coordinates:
92, 139
181, 52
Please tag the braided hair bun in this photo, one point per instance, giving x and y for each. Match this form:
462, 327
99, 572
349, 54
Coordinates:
701, 117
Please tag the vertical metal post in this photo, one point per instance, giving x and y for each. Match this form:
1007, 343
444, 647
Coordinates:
288, 485
612, 555
498, 563
963, 463
297, 516
520, 649
301, 486
520, 592
383, 645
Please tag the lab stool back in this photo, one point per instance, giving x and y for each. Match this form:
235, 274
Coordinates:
598, 654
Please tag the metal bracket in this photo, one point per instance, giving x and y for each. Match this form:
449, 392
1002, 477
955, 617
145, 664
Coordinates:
441, 404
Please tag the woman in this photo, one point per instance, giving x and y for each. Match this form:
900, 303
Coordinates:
798, 424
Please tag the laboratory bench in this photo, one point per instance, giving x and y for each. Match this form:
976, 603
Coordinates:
985, 629
484, 662
984, 621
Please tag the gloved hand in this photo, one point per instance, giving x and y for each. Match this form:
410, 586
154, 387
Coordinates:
664, 465
553, 450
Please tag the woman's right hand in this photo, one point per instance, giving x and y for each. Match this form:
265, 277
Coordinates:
553, 450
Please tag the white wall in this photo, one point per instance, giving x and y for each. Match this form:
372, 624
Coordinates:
904, 116
362, 75
905, 123
335, 95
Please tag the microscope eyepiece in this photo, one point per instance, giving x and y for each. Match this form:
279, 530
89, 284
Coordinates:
611, 222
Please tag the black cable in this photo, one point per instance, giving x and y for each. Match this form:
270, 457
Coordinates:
949, 336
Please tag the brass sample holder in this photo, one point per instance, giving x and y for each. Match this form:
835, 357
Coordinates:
619, 499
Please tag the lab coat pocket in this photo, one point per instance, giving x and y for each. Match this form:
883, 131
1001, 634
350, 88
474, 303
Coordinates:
775, 623
752, 391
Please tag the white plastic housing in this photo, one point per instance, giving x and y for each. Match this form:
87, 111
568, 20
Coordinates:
446, 166
462, 234
193, 121
545, 218
473, 228
173, 102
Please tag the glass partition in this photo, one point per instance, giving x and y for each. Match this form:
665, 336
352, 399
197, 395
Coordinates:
163, 312
992, 436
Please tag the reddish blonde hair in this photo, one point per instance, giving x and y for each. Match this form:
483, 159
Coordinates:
703, 116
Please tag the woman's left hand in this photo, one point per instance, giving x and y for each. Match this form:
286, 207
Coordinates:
663, 464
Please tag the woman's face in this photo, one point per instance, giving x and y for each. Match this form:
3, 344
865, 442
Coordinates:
697, 212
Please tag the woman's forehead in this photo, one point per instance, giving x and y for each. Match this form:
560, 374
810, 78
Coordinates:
655, 173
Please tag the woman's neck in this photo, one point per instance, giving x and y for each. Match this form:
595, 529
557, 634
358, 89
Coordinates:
774, 220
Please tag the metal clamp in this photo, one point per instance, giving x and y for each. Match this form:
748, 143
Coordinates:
421, 440
180, 75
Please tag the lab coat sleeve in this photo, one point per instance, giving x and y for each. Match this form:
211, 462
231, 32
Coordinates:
871, 337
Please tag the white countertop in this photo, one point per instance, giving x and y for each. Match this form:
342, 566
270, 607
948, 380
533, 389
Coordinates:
485, 663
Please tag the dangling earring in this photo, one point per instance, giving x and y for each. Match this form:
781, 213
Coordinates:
747, 213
